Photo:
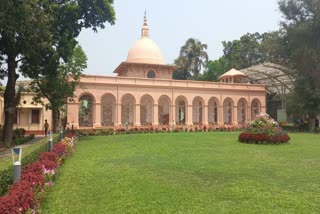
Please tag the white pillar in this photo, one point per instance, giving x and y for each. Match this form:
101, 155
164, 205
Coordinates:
137, 115
155, 115
97, 115
189, 116
117, 121
205, 115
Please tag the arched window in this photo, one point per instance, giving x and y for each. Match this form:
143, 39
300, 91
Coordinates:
255, 109
127, 109
242, 108
85, 110
164, 110
213, 111
181, 110
151, 74
227, 111
197, 116
146, 110
108, 103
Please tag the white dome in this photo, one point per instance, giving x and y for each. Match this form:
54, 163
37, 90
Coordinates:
144, 50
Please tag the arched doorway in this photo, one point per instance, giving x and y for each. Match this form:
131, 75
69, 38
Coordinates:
242, 111
86, 110
255, 108
213, 105
108, 105
227, 111
146, 110
197, 110
127, 109
164, 110
181, 110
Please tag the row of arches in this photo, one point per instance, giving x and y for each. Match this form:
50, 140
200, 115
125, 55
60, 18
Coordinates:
213, 110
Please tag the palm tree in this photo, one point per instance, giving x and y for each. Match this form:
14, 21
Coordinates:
194, 56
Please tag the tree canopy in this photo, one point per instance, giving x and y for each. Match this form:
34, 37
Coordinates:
191, 60
36, 32
302, 32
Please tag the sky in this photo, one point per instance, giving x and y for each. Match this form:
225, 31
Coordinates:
171, 23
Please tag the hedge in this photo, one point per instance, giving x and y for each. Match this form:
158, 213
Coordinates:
29, 155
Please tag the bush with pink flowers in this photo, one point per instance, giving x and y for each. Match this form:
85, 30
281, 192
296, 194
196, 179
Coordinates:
264, 130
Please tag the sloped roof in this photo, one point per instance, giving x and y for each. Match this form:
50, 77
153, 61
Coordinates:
278, 79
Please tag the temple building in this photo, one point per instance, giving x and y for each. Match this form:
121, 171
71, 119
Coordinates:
143, 94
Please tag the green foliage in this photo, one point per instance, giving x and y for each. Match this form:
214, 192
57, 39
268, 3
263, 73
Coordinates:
188, 173
39, 34
254, 48
301, 26
213, 70
22, 140
191, 60
58, 82
19, 132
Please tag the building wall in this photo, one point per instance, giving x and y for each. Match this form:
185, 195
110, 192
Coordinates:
24, 114
119, 87
141, 71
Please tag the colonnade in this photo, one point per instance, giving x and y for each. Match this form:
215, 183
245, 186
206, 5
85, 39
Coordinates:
147, 110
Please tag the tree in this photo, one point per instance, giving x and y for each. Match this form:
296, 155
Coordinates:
214, 69
31, 31
302, 33
57, 84
193, 57
244, 52
182, 73
255, 48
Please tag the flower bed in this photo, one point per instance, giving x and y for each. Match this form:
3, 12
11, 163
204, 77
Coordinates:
26, 195
264, 130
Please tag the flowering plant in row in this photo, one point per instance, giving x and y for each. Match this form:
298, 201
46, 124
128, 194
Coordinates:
26, 195
264, 130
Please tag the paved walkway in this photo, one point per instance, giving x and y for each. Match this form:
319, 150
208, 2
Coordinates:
4, 152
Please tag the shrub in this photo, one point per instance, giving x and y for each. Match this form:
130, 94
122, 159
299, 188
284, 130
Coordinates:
264, 130
6, 174
22, 140
19, 132
25, 196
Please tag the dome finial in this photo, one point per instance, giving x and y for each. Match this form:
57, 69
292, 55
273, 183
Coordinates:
145, 28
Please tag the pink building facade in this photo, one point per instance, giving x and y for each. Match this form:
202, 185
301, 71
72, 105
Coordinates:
144, 94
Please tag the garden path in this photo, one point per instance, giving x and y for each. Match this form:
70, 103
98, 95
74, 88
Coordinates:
5, 152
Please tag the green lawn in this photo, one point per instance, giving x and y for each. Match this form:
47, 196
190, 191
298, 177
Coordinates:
188, 173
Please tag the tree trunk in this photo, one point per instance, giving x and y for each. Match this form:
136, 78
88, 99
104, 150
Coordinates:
311, 123
10, 101
55, 119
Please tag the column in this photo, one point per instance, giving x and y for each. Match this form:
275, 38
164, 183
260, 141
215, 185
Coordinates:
189, 116
155, 115
220, 116
235, 116
137, 115
248, 113
172, 115
117, 121
73, 115
97, 115
205, 115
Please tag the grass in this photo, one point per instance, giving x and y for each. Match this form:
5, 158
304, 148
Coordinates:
188, 173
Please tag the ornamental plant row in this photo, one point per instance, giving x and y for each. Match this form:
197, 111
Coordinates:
36, 178
140, 130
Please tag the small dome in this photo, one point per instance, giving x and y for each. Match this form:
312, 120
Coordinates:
144, 50
232, 73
